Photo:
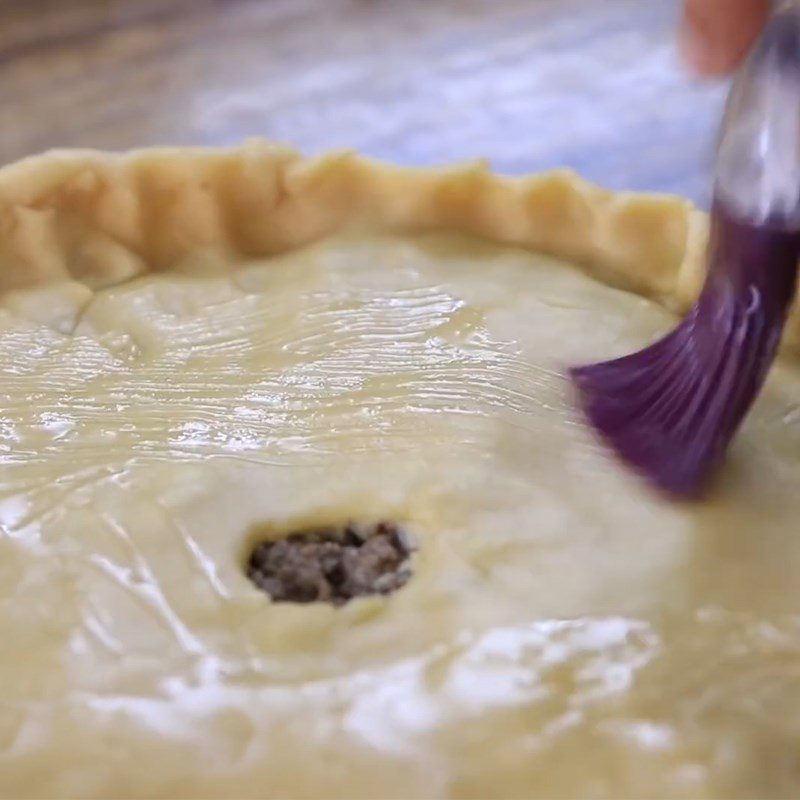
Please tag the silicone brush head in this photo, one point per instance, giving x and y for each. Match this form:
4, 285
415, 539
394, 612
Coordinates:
671, 410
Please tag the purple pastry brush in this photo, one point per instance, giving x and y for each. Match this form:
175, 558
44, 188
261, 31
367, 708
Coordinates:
671, 410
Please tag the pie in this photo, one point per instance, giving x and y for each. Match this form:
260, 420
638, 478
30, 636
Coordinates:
205, 352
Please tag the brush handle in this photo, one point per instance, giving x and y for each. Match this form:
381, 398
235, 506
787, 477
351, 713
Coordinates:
758, 152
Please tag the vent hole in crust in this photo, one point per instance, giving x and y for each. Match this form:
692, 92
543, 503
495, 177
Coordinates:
333, 564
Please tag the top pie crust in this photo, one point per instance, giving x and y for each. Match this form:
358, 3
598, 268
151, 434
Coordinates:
564, 633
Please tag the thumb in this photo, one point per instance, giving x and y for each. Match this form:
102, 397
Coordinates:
716, 34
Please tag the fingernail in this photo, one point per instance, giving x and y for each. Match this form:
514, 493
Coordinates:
701, 56
695, 51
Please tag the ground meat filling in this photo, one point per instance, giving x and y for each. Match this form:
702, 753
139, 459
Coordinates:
332, 564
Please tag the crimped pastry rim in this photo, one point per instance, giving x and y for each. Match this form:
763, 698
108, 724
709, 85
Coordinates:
97, 218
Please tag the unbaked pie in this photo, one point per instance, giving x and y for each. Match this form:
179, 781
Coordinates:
204, 351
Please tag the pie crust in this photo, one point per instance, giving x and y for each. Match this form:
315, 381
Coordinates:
564, 633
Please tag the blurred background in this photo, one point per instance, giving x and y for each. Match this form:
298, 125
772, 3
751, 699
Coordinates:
529, 84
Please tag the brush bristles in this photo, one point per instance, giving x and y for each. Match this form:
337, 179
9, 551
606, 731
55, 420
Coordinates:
671, 410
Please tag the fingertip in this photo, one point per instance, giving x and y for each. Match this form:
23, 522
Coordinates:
715, 35
703, 60
693, 52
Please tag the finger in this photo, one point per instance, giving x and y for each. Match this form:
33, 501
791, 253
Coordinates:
716, 34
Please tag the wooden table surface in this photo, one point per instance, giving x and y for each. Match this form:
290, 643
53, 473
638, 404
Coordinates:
530, 84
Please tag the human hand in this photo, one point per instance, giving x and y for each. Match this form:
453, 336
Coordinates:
715, 35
